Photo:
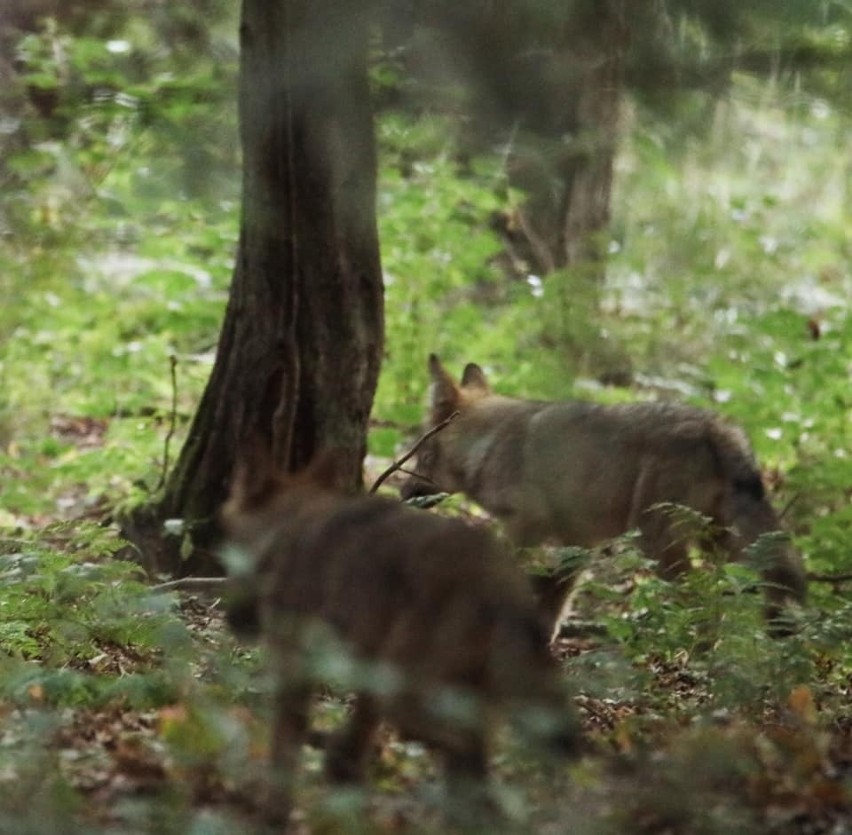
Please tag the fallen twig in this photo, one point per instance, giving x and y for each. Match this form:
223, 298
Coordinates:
190, 583
418, 443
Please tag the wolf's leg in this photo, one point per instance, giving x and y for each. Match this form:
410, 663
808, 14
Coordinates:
524, 528
552, 592
661, 542
470, 806
658, 539
349, 749
467, 764
290, 707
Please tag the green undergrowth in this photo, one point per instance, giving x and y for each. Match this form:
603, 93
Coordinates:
68, 608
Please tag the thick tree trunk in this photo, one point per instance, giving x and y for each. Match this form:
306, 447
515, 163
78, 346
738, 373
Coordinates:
301, 345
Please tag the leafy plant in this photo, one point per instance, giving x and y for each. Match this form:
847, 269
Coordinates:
70, 606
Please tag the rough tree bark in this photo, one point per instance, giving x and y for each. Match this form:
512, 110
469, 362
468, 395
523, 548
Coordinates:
301, 345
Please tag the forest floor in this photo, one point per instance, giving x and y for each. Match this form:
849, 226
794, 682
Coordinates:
664, 755
782, 771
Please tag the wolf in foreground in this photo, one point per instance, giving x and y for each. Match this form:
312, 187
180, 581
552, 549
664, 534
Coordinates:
441, 617
579, 473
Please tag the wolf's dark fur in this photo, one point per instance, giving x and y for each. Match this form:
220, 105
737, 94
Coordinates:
432, 599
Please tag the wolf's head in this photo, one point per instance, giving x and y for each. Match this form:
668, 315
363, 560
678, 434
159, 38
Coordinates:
434, 472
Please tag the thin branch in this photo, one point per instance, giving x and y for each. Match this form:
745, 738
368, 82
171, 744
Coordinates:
420, 441
408, 472
172, 424
192, 583
786, 509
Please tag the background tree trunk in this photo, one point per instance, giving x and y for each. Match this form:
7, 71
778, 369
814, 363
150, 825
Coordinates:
548, 79
566, 120
586, 169
301, 345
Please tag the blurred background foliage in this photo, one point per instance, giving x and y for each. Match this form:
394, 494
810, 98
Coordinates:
727, 285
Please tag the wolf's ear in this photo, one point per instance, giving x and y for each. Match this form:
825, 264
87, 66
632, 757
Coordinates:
444, 393
253, 480
474, 378
436, 367
323, 470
